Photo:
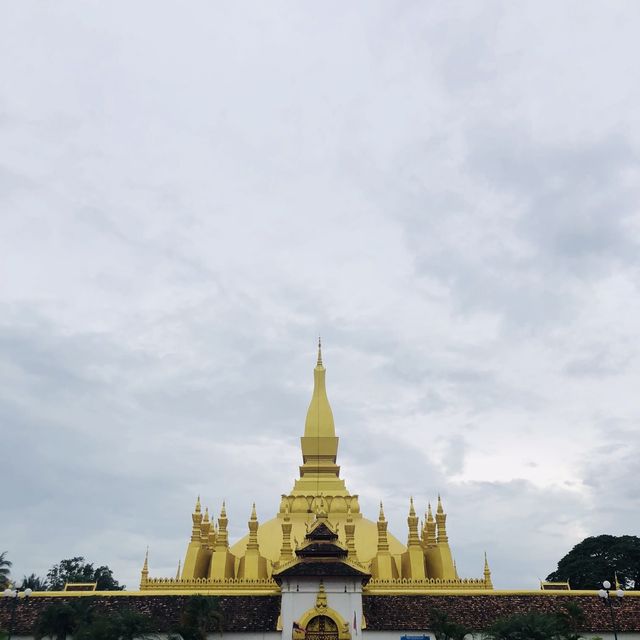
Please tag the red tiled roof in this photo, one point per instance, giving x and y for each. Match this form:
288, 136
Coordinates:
413, 613
241, 613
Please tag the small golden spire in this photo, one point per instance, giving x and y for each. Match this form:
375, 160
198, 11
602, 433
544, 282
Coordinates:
412, 521
144, 574
253, 529
487, 573
206, 514
429, 514
441, 521
198, 508
319, 352
381, 514
223, 511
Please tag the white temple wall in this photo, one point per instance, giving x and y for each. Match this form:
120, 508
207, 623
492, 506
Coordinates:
344, 595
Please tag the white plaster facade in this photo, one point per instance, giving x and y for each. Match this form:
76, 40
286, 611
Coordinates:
344, 595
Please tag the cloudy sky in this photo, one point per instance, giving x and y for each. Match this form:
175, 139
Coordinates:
191, 192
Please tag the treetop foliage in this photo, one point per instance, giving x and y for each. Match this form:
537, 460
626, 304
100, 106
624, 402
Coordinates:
77, 570
5, 570
600, 558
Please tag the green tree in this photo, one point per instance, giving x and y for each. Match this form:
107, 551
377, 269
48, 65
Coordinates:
445, 629
599, 558
562, 625
570, 620
5, 570
127, 625
77, 570
63, 619
201, 614
528, 626
34, 582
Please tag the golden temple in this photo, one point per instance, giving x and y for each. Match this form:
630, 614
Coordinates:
249, 565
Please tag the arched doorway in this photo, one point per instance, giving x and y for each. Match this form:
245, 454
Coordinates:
321, 628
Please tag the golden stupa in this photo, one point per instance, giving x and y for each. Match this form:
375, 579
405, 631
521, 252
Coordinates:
211, 564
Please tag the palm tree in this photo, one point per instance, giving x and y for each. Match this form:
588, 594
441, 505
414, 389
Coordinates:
34, 582
5, 566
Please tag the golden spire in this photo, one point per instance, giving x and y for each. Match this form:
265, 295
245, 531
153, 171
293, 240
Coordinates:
412, 521
441, 521
205, 527
222, 539
253, 529
319, 422
430, 528
196, 518
487, 573
286, 552
319, 471
383, 541
144, 575
179, 568
349, 530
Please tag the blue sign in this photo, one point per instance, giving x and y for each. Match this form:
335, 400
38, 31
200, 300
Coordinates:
415, 638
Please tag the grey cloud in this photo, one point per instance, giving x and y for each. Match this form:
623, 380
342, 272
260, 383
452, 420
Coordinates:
446, 193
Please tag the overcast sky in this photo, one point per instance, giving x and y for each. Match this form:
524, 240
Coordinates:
191, 192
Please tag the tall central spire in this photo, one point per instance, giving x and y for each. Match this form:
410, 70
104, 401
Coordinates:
319, 472
319, 422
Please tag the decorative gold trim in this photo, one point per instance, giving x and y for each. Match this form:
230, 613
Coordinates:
203, 590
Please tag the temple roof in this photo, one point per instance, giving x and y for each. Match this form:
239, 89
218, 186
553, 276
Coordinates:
322, 555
